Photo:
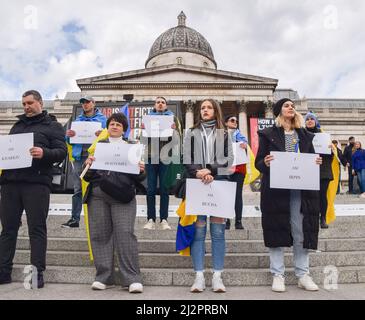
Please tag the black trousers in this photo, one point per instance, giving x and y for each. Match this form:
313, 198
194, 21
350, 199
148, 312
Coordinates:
239, 178
34, 199
323, 196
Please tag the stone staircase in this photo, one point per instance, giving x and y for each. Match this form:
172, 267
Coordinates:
247, 261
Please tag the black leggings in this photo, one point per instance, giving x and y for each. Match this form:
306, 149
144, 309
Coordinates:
323, 196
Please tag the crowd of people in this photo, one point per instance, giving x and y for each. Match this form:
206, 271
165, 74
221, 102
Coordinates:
290, 218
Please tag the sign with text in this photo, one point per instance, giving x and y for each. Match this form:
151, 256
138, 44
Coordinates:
240, 155
158, 126
119, 157
322, 143
85, 131
15, 151
291, 170
215, 199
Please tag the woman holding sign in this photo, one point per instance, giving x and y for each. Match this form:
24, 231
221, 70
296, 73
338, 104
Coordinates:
111, 202
207, 149
312, 125
289, 217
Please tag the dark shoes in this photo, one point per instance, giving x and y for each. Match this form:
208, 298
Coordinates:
324, 225
228, 224
72, 223
238, 225
5, 278
40, 281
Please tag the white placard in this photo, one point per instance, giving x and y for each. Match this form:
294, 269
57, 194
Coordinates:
119, 157
321, 143
215, 199
15, 151
157, 126
240, 155
85, 131
297, 171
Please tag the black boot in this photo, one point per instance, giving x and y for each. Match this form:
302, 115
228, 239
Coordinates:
228, 224
324, 225
238, 225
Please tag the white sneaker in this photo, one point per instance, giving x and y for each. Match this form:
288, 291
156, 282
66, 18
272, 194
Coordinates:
199, 284
217, 283
278, 283
150, 225
100, 286
362, 195
307, 283
136, 288
165, 225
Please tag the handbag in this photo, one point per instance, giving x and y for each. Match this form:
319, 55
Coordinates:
118, 185
179, 189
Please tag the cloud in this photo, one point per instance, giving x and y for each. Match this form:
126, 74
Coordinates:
316, 47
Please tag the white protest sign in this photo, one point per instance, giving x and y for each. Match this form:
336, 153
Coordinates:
215, 199
119, 157
85, 131
15, 151
240, 155
322, 143
297, 171
157, 126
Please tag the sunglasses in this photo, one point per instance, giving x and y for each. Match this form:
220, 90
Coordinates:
232, 120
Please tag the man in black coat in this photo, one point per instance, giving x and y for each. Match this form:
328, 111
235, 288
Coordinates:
347, 153
29, 188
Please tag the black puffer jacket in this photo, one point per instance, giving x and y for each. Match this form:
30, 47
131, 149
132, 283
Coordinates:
275, 203
48, 135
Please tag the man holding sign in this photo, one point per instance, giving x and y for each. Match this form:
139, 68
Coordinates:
89, 117
29, 188
289, 217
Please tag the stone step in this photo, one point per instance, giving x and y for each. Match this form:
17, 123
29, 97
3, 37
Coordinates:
168, 246
173, 260
247, 234
185, 277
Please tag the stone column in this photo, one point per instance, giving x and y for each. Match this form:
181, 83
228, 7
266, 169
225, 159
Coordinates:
268, 109
189, 116
243, 125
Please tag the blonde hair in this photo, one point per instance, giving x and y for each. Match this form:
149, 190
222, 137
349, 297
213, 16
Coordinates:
297, 121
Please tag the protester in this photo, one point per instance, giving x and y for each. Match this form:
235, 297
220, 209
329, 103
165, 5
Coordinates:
157, 167
239, 173
29, 188
347, 153
112, 218
289, 217
79, 155
341, 160
207, 153
358, 165
326, 175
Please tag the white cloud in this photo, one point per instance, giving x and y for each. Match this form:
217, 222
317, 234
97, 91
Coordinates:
316, 47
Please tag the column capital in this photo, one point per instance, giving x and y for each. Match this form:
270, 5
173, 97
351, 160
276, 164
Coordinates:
242, 105
269, 112
190, 105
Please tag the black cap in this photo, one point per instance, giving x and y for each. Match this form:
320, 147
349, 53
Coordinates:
278, 105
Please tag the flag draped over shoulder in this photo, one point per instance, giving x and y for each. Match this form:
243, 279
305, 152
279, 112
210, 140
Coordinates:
332, 187
103, 135
185, 230
251, 172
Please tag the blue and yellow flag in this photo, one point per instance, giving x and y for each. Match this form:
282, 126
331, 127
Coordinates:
185, 230
332, 188
251, 172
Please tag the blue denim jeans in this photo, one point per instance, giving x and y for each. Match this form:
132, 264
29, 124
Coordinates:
77, 196
361, 179
197, 249
301, 256
155, 171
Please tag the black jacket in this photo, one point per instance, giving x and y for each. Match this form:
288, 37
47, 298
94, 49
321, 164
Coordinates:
275, 203
48, 135
348, 152
94, 177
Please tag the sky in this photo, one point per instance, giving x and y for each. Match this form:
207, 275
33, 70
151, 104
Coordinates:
314, 47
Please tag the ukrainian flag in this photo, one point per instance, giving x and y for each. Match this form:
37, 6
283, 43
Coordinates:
185, 230
251, 172
332, 188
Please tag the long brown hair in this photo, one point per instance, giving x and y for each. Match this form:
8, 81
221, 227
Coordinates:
218, 115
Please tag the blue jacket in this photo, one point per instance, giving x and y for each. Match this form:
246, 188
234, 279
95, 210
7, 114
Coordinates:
238, 137
97, 117
358, 160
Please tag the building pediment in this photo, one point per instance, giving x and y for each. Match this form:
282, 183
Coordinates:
174, 75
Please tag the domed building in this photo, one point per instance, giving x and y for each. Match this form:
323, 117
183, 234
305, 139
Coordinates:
181, 67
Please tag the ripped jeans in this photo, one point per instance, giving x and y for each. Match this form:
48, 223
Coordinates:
217, 233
